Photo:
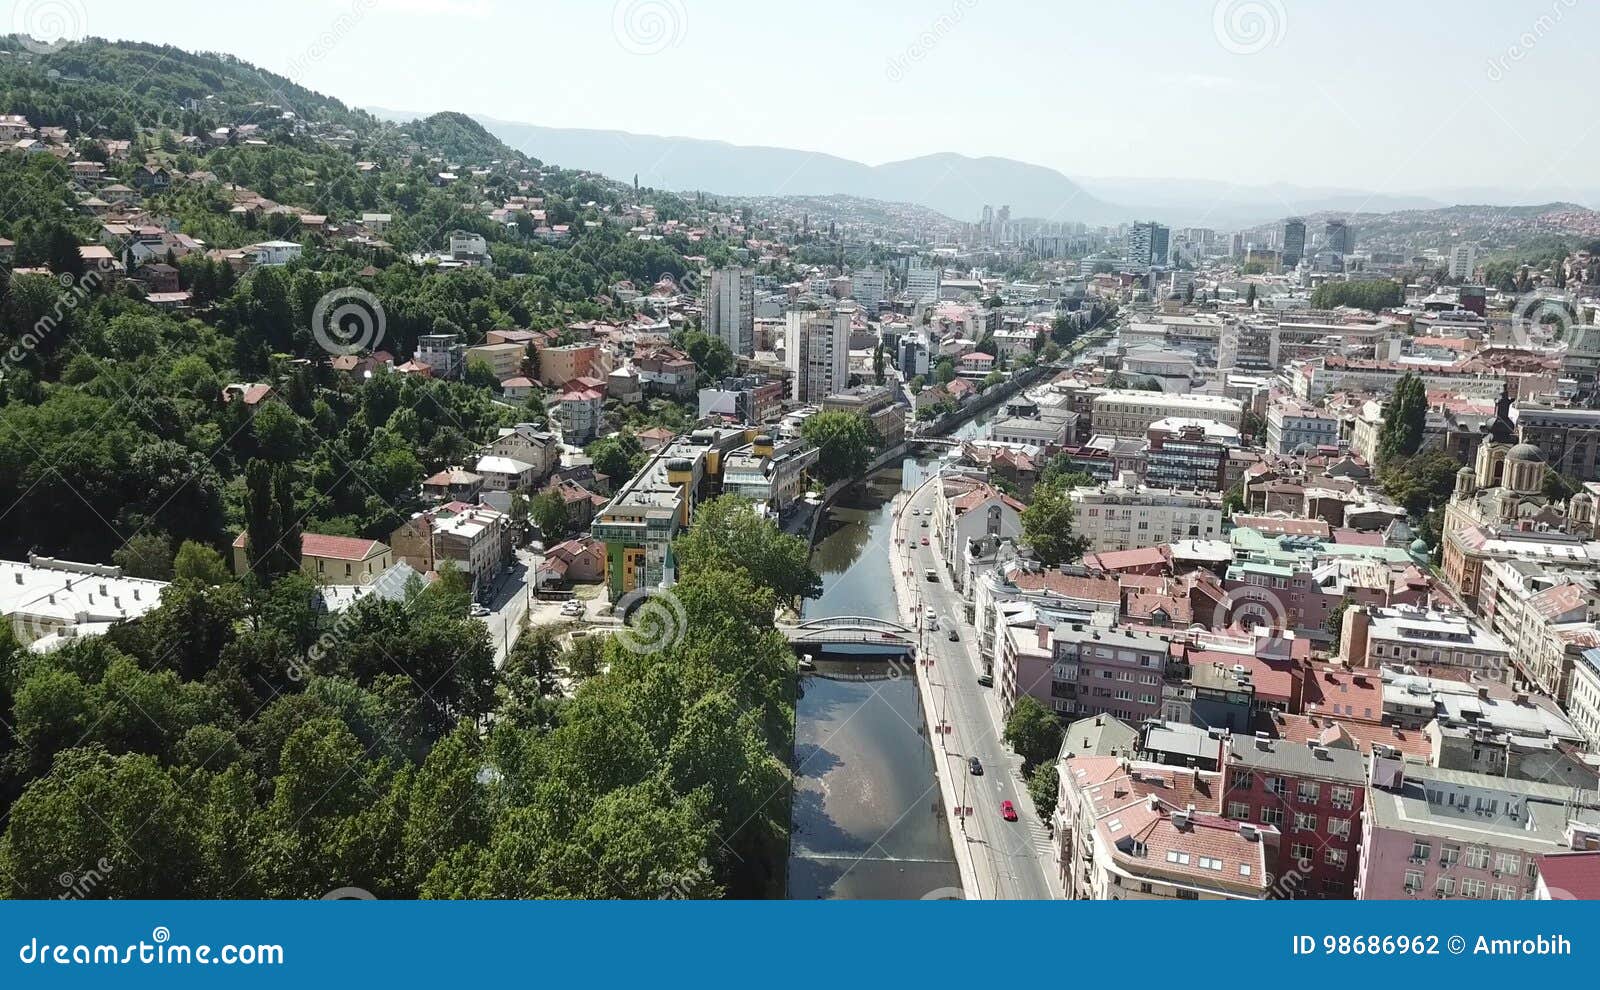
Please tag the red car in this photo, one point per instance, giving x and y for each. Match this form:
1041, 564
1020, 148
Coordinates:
924, 541
1008, 811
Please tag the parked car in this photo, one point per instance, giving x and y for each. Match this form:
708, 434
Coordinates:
924, 524
1008, 811
924, 541
954, 638
931, 574
974, 767
572, 608
479, 610
984, 680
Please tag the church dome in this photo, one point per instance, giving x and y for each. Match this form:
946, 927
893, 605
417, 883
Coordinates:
1525, 452
1419, 547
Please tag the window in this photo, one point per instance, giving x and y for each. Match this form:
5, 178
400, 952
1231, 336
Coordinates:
1302, 852
1278, 786
1272, 816
1307, 792
1477, 858
1145, 888
1445, 886
1508, 863
1337, 857
1304, 822
1339, 828
1185, 895
1413, 881
1244, 781
1449, 855
1208, 863
1174, 856
1238, 811
1503, 892
1420, 850
1471, 887
1344, 798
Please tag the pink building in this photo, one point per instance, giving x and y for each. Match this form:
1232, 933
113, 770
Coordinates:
1431, 834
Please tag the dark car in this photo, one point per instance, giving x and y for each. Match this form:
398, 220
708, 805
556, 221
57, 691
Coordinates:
953, 637
984, 680
974, 767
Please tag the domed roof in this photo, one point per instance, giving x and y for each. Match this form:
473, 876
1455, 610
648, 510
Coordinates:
1419, 546
1525, 452
1582, 498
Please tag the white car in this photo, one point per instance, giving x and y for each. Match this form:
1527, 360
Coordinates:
572, 608
479, 610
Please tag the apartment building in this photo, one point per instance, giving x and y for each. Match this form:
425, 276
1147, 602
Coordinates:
1141, 831
968, 509
1130, 412
1079, 668
1188, 453
1293, 424
1126, 515
817, 352
1311, 792
1439, 834
728, 308
1416, 636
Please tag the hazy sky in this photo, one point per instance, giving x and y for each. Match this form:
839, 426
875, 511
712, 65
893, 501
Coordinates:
1391, 96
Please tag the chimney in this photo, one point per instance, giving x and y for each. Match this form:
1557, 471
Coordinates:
1155, 802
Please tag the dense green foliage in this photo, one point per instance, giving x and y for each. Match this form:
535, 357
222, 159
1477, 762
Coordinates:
1034, 732
1372, 294
1405, 416
845, 442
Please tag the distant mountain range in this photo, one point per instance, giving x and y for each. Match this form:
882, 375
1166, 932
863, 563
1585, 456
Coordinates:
956, 185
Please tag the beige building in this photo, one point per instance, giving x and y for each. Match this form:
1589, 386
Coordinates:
1129, 412
1125, 515
328, 559
505, 360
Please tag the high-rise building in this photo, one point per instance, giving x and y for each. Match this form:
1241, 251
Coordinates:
1463, 260
728, 307
817, 352
923, 280
1294, 241
1337, 237
1148, 244
867, 287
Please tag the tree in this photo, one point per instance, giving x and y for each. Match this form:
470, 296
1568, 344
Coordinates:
585, 658
530, 670
1404, 417
1047, 526
1044, 786
1250, 296
146, 555
1335, 623
727, 533
198, 562
618, 457
549, 512
877, 363
1034, 732
272, 523
944, 372
1051, 353
845, 442
479, 374
1369, 294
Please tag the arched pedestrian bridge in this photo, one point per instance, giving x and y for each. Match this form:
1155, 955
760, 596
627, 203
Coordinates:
850, 630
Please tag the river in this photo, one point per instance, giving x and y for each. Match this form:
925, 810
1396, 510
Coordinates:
867, 820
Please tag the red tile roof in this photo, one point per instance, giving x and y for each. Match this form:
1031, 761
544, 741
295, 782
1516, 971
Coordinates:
333, 547
1572, 876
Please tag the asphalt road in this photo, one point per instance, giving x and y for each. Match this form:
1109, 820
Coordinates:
1012, 857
